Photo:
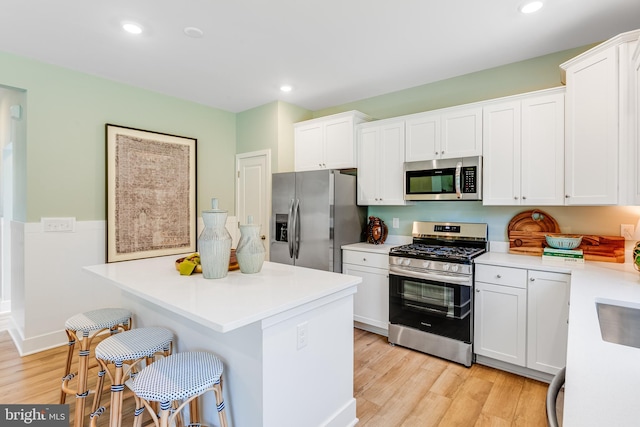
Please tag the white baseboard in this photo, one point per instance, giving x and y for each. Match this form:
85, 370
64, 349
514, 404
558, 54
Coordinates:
38, 343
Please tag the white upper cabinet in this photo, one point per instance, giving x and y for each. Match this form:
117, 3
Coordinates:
327, 142
380, 162
600, 119
635, 136
523, 149
444, 134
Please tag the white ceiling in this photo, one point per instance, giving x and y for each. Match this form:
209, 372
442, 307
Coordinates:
331, 51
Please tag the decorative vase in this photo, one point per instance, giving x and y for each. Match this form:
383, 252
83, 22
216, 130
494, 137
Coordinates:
250, 251
636, 256
214, 243
376, 231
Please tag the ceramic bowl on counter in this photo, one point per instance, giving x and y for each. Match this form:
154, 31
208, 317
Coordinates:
563, 241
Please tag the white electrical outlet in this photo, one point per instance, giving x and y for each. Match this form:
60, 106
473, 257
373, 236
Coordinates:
396, 223
627, 231
303, 335
58, 224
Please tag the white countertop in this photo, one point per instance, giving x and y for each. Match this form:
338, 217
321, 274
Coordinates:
370, 247
602, 378
228, 303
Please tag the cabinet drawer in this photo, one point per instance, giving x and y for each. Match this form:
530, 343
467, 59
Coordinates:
501, 275
365, 258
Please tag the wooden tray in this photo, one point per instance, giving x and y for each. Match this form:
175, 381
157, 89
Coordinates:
533, 220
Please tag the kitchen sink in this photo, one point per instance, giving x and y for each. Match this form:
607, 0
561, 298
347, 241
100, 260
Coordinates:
619, 322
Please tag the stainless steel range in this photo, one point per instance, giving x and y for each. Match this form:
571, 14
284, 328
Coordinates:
431, 289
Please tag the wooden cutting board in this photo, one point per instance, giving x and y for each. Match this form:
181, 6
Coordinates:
527, 232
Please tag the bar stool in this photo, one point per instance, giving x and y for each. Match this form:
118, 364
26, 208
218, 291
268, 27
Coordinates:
180, 377
133, 346
84, 327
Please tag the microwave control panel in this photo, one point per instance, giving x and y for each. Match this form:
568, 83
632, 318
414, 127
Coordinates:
469, 179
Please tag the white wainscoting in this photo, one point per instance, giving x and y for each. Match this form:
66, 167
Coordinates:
49, 285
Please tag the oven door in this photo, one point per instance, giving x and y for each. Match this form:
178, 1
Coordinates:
431, 305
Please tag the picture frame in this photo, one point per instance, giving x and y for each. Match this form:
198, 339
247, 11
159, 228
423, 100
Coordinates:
151, 194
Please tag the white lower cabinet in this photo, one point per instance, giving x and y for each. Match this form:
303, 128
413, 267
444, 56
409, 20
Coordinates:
371, 302
500, 322
547, 320
521, 317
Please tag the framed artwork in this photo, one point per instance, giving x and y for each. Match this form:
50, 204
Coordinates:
151, 194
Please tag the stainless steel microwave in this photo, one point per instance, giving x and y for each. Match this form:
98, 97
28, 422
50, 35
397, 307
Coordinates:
444, 179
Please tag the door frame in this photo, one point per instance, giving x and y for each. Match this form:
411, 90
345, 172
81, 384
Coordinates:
267, 155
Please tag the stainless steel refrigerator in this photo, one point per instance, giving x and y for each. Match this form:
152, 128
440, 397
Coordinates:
312, 215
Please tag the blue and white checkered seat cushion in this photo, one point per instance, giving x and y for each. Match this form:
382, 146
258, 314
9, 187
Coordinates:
134, 344
102, 318
178, 376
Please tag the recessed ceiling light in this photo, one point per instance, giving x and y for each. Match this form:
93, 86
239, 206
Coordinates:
286, 88
531, 7
193, 32
132, 27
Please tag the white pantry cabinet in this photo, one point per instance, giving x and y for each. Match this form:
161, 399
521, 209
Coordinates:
380, 162
444, 134
371, 302
521, 317
327, 142
599, 147
636, 129
523, 149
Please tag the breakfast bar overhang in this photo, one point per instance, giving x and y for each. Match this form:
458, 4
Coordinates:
285, 335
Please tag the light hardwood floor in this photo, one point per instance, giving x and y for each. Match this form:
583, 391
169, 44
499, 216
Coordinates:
394, 387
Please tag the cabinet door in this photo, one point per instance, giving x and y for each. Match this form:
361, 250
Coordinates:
371, 302
461, 133
367, 141
542, 175
591, 145
501, 158
339, 144
636, 118
390, 164
547, 321
309, 148
500, 322
422, 138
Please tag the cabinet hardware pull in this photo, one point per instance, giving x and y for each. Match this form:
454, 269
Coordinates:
477, 290
566, 196
364, 259
524, 198
532, 279
515, 197
498, 276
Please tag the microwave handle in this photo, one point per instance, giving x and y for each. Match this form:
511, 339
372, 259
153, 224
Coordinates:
458, 189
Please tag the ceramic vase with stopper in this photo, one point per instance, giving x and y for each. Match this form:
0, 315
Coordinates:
214, 243
250, 251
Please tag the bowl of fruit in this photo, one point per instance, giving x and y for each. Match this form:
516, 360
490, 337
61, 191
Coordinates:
191, 263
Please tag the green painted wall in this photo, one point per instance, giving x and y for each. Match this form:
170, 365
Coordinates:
270, 126
65, 149
519, 77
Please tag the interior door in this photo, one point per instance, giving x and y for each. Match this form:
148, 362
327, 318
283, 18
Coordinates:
253, 191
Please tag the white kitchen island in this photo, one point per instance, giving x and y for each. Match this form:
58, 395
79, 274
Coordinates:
285, 335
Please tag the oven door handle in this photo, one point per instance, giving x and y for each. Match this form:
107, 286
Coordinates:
458, 280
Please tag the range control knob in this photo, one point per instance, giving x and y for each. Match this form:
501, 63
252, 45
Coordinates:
455, 267
425, 264
445, 267
406, 261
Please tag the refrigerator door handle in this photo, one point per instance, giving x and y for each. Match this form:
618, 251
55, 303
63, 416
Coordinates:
296, 235
290, 229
